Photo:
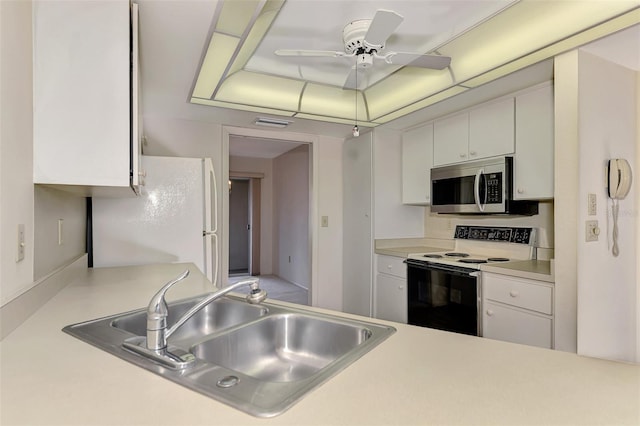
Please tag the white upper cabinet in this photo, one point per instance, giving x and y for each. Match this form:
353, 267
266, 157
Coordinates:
491, 129
451, 139
533, 162
482, 132
417, 160
83, 117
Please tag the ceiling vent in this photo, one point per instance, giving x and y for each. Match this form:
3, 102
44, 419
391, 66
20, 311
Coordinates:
271, 122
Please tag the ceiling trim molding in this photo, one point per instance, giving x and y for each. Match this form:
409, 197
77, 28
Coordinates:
482, 54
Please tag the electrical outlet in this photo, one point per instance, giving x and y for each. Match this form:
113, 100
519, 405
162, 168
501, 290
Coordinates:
591, 230
592, 206
21, 243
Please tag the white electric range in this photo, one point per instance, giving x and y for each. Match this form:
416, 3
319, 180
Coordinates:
444, 289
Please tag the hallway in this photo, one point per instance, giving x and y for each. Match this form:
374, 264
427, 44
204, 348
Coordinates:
278, 289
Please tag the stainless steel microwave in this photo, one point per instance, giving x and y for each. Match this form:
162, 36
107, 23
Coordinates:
478, 187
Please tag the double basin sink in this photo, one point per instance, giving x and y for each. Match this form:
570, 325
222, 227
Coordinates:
260, 359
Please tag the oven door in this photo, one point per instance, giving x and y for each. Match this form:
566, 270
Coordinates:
444, 297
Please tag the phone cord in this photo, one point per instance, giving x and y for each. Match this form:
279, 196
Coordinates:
614, 212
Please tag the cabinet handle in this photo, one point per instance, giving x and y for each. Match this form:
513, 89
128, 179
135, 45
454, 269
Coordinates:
389, 267
520, 191
463, 155
513, 293
473, 153
489, 313
400, 287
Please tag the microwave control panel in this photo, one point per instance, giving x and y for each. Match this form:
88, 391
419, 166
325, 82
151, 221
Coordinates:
494, 188
495, 234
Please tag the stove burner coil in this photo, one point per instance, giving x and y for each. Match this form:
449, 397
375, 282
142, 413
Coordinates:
472, 261
498, 259
454, 254
433, 256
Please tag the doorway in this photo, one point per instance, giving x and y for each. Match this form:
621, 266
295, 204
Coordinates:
239, 227
284, 191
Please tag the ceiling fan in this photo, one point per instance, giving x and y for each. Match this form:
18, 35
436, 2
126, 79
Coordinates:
365, 40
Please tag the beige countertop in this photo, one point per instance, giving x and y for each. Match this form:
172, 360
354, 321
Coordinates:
406, 251
532, 269
417, 376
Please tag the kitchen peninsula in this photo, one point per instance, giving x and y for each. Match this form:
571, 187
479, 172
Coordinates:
416, 376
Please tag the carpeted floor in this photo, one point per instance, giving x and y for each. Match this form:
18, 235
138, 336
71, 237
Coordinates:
279, 289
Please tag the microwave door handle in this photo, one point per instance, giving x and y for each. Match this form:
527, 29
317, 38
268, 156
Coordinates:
476, 190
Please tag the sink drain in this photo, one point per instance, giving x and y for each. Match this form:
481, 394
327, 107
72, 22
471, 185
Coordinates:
227, 382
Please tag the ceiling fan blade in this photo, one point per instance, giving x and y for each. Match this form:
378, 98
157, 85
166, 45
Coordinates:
350, 82
309, 53
384, 23
417, 60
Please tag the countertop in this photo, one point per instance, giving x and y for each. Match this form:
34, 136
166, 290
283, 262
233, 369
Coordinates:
406, 251
417, 376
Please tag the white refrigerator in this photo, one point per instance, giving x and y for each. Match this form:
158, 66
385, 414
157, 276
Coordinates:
174, 219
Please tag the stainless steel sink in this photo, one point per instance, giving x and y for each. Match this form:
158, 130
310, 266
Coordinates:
218, 315
282, 348
260, 359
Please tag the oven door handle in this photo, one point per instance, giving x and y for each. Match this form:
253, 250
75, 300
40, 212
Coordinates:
465, 272
476, 190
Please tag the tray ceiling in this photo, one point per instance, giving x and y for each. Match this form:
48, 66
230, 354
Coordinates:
486, 40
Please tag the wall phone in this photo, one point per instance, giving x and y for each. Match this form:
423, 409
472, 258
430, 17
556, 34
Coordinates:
618, 185
618, 178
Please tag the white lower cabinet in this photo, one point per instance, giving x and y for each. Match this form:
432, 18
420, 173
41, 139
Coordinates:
517, 310
390, 299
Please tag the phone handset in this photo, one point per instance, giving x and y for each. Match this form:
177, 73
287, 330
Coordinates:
618, 178
618, 186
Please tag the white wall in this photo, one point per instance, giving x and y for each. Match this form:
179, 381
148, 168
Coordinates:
565, 190
24, 285
50, 206
327, 271
291, 216
392, 219
607, 285
16, 146
264, 166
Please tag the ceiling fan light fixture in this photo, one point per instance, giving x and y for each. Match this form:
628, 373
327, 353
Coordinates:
271, 122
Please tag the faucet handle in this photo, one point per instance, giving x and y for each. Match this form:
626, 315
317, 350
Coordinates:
157, 312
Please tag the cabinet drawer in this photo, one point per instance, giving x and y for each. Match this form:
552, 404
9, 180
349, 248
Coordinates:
392, 265
511, 325
523, 293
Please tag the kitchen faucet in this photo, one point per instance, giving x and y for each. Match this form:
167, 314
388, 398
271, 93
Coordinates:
155, 345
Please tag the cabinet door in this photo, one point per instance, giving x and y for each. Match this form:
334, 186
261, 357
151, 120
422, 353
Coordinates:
391, 298
491, 129
82, 127
511, 325
451, 140
533, 162
417, 160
